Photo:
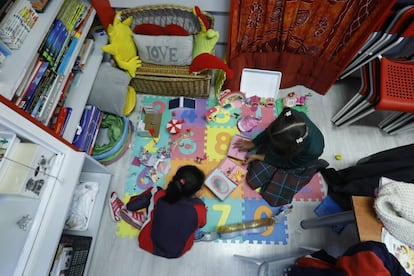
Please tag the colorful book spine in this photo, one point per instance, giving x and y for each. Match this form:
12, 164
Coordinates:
33, 85
35, 100
17, 24
45, 114
51, 38
43, 92
65, 61
92, 131
61, 120
81, 136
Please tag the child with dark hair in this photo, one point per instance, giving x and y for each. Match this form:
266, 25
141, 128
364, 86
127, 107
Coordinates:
168, 218
285, 158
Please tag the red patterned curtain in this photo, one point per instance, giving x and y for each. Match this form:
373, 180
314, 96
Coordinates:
310, 42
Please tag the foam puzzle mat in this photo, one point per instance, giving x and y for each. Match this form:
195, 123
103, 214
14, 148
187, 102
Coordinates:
208, 142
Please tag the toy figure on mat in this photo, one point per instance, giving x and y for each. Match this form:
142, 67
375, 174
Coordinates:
169, 218
286, 156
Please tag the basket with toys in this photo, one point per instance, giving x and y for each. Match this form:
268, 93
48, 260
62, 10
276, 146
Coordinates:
175, 45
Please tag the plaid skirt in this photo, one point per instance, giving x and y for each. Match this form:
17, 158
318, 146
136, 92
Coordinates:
278, 186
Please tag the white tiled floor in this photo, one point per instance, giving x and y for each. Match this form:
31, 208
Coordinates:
121, 256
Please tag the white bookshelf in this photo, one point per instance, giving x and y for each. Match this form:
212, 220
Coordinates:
31, 251
13, 69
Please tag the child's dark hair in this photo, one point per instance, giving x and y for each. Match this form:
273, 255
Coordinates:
185, 183
287, 134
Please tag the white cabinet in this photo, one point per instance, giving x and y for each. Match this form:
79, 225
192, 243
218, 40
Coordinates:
31, 251
13, 70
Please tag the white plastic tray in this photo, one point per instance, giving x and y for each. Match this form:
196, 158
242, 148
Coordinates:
261, 83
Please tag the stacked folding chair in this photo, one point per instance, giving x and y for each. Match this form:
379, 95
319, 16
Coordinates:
386, 85
387, 77
396, 33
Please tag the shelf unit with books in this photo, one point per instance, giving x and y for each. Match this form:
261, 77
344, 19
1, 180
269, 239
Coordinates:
13, 69
48, 92
79, 92
32, 225
31, 251
47, 98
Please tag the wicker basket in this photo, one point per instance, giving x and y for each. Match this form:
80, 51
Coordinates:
169, 80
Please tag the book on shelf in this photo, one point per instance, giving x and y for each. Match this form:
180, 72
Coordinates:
4, 50
67, 55
60, 121
69, 23
57, 33
41, 94
93, 131
62, 98
84, 128
35, 101
17, 23
23, 90
39, 5
28, 75
85, 52
50, 101
5, 6
28, 170
29, 93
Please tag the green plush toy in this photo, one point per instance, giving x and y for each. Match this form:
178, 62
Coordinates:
122, 46
203, 47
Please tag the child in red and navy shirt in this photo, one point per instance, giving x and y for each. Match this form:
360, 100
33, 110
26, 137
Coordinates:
168, 218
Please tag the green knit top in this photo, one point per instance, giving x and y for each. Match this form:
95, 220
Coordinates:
313, 148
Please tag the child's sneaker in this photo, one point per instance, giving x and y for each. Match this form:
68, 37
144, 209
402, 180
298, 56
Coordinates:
115, 204
134, 218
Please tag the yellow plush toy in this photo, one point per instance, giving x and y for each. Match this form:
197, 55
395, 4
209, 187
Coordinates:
122, 46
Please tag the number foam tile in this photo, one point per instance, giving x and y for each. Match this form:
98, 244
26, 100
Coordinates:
189, 146
276, 234
195, 117
218, 140
224, 212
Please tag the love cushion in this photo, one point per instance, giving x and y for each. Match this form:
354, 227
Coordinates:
165, 49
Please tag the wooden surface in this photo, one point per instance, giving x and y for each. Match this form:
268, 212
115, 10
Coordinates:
368, 225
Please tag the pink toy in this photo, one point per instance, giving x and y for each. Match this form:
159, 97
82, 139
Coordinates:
290, 100
247, 123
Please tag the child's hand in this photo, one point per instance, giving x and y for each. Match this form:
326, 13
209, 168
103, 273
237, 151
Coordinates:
243, 145
253, 157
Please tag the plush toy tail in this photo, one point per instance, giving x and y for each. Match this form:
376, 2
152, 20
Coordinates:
202, 19
208, 61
